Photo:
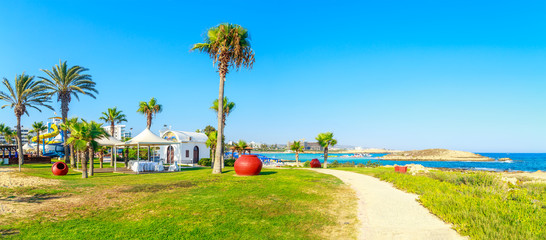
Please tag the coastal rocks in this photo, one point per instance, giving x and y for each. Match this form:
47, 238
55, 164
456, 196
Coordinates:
435, 155
505, 159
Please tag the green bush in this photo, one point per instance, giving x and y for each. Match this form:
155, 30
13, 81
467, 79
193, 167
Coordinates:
205, 162
230, 162
307, 164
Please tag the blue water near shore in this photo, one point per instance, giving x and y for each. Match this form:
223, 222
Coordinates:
529, 162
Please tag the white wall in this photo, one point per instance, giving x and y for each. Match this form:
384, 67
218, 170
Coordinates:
180, 151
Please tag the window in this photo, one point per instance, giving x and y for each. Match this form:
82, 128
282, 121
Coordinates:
187, 153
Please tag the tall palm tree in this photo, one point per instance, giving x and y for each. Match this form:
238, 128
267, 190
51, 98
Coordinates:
150, 109
211, 143
325, 140
67, 127
25, 93
229, 46
38, 127
227, 109
297, 148
66, 82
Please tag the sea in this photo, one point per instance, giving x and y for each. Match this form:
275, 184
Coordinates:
527, 162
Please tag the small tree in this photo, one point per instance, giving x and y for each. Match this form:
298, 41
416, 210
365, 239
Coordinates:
325, 140
211, 143
297, 148
38, 127
66, 128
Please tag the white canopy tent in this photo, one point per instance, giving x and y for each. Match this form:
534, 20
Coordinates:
146, 138
112, 142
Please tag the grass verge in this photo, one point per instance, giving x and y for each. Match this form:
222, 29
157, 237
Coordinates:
192, 204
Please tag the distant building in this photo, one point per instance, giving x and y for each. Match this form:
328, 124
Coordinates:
119, 131
254, 144
312, 146
24, 136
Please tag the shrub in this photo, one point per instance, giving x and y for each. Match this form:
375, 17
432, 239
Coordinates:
205, 162
307, 164
334, 164
230, 162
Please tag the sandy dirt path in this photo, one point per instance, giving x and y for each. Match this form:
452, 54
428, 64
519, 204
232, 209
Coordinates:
388, 213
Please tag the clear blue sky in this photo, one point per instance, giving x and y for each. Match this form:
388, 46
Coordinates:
466, 75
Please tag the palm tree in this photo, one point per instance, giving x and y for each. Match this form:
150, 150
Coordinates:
227, 109
3, 128
149, 109
240, 147
297, 148
112, 116
84, 136
68, 127
229, 46
38, 127
211, 143
67, 82
26, 93
326, 139
8, 134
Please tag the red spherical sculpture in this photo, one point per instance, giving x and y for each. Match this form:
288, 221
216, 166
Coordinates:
315, 163
248, 165
59, 168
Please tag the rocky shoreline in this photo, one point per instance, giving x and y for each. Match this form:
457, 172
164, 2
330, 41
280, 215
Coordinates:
436, 155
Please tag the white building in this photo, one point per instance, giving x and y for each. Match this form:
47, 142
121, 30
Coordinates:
188, 147
119, 131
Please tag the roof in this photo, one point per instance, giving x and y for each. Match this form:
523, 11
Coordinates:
181, 136
109, 141
146, 137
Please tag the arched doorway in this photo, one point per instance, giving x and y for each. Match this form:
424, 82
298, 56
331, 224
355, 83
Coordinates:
195, 154
170, 155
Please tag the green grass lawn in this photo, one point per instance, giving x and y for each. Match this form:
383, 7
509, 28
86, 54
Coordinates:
479, 204
192, 204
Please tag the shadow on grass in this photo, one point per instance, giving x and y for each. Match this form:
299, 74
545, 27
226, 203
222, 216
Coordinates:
267, 173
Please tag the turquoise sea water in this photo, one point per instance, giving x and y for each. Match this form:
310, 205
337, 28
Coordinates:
529, 162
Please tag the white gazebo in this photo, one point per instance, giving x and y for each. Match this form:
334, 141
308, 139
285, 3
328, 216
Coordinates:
148, 139
111, 142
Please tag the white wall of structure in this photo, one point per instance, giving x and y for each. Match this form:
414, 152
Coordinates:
187, 147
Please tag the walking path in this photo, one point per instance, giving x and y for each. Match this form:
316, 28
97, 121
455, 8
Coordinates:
388, 213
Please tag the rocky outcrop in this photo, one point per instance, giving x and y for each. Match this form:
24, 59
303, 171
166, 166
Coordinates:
435, 155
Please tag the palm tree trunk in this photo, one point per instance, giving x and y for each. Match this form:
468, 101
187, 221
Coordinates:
20, 153
149, 120
217, 169
72, 162
64, 110
101, 155
112, 125
326, 157
297, 159
91, 161
79, 157
37, 143
84, 164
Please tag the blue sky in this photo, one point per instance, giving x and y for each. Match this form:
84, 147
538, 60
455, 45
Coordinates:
465, 75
